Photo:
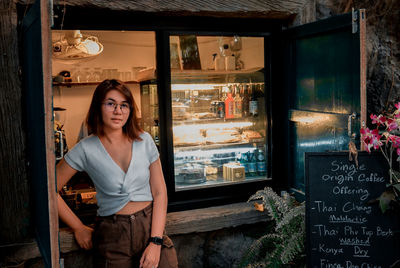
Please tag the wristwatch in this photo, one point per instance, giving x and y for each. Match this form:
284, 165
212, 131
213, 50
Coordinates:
156, 240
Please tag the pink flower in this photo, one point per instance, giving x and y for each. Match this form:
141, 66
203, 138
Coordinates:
366, 132
391, 124
371, 138
397, 112
379, 120
397, 105
376, 142
395, 141
398, 151
368, 148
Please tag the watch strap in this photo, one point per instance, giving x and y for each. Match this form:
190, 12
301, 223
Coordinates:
156, 240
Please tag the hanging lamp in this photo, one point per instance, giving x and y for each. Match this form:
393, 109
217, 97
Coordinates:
74, 47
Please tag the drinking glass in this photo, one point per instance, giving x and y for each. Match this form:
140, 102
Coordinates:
97, 74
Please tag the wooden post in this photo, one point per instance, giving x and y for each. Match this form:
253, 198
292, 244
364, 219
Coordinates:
363, 71
14, 186
45, 17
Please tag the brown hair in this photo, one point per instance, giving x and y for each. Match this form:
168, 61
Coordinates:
94, 117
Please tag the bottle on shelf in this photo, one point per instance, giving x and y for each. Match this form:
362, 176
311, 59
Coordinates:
252, 163
261, 164
219, 63
260, 90
224, 93
220, 109
232, 90
155, 131
245, 163
219, 60
253, 103
245, 101
229, 107
238, 103
230, 63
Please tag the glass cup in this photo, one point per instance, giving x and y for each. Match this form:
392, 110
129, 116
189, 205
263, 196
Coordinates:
86, 74
120, 76
106, 74
127, 76
73, 72
114, 74
77, 76
97, 75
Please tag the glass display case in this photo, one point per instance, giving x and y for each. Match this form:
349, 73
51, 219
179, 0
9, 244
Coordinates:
219, 121
149, 109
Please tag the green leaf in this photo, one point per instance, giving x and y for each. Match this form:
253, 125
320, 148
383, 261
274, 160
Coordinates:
385, 199
397, 187
396, 174
383, 205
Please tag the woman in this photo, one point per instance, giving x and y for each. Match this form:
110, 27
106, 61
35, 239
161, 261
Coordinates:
124, 164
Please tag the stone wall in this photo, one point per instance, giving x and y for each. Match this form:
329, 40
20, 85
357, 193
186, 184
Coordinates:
383, 47
209, 237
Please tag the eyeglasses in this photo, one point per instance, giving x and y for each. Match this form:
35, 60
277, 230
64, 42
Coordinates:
111, 106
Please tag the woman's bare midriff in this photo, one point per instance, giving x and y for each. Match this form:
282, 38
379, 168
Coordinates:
133, 206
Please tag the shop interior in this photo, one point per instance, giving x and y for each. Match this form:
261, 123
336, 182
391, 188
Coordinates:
218, 102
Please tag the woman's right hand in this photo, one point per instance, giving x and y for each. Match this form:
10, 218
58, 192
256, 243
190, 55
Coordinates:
83, 236
82, 233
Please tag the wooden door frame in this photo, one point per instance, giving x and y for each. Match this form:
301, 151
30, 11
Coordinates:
363, 70
46, 23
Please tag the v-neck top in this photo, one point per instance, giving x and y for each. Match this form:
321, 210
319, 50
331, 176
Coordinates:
114, 187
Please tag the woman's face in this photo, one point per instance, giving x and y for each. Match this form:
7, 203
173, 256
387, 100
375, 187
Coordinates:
115, 110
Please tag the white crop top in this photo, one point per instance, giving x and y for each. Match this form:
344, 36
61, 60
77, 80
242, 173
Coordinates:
114, 187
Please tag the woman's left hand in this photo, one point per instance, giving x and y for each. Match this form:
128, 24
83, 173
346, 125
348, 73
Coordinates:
151, 256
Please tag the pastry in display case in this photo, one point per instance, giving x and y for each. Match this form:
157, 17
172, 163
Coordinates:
215, 141
190, 173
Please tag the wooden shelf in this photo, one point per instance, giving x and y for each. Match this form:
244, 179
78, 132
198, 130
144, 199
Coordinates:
74, 84
189, 73
150, 74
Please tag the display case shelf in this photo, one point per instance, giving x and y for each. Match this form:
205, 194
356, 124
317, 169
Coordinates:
218, 183
197, 121
73, 84
217, 145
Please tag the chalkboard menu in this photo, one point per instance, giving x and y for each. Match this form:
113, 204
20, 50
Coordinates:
343, 230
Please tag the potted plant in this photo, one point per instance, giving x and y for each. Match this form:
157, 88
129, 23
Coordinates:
283, 243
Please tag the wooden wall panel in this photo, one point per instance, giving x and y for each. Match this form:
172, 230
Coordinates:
14, 187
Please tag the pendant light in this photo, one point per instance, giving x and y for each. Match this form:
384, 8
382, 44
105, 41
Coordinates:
74, 47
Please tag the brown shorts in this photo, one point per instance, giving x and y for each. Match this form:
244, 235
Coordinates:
119, 241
